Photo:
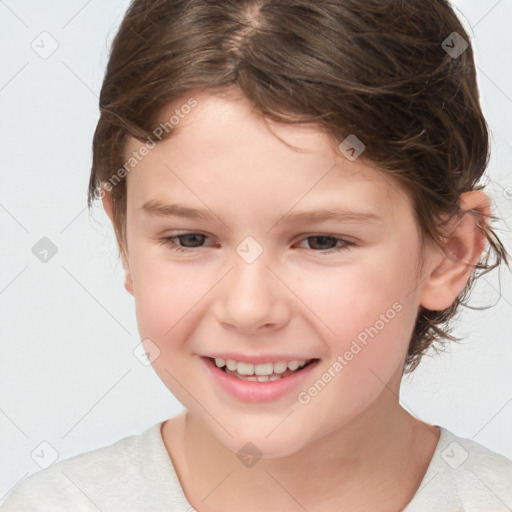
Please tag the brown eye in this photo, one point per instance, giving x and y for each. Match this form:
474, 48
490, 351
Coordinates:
188, 241
326, 244
321, 241
192, 238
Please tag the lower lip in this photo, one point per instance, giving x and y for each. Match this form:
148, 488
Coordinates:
250, 391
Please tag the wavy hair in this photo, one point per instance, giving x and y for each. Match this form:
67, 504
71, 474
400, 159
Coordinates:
377, 69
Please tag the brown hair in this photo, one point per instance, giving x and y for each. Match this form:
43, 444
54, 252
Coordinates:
373, 68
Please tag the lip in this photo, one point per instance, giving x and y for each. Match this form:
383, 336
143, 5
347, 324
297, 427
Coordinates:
259, 359
249, 391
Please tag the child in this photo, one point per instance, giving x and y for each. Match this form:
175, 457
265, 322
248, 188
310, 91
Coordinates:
325, 156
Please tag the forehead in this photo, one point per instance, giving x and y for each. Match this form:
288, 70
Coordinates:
223, 150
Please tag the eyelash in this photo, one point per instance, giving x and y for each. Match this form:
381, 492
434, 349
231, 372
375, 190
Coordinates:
169, 241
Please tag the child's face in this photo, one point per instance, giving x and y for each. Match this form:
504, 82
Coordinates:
356, 306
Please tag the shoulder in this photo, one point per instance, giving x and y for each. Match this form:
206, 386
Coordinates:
464, 475
480, 473
105, 476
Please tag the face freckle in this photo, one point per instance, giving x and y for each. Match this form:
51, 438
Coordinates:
255, 282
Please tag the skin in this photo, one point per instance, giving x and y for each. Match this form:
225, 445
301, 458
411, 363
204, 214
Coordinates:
328, 454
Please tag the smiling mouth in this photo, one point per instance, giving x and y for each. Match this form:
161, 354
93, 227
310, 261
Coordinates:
261, 372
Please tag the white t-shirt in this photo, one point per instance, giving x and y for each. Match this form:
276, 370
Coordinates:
136, 474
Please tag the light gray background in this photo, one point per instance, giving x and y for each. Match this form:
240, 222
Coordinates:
68, 329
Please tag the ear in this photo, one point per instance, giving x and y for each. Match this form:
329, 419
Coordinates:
108, 205
451, 269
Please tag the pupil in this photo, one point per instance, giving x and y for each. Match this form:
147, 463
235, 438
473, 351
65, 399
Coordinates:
192, 236
323, 240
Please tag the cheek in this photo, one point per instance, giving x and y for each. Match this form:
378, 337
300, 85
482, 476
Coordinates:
371, 315
366, 299
358, 292
166, 298
366, 304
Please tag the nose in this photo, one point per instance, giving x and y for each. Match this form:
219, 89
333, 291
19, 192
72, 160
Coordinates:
252, 298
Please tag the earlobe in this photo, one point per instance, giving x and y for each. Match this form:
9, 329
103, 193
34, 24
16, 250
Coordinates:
108, 206
451, 270
128, 283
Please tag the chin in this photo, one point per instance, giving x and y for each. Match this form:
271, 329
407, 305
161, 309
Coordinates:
262, 442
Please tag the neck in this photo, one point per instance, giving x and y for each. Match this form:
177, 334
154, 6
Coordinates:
375, 462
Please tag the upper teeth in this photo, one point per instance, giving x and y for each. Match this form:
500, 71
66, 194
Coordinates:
258, 369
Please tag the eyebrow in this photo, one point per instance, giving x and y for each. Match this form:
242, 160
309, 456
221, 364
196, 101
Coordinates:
159, 208
334, 214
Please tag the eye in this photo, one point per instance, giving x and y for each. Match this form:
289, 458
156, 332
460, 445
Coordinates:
169, 240
194, 241
331, 241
